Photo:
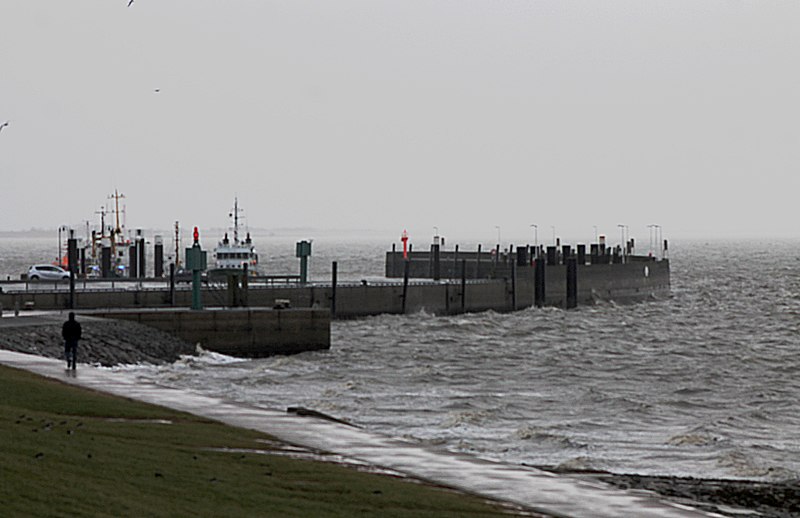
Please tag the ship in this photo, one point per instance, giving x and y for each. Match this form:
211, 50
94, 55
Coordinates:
234, 253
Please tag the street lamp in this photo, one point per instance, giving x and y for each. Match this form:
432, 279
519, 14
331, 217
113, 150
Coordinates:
653, 230
623, 244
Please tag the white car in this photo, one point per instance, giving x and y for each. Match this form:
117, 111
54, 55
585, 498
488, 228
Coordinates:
47, 272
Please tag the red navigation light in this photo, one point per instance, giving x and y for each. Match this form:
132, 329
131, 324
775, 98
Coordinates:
196, 235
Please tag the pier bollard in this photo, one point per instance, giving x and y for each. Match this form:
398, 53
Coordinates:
572, 282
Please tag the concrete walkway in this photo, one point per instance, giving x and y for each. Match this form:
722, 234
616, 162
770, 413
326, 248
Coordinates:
532, 489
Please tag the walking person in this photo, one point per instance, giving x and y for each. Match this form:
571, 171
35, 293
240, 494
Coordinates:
71, 332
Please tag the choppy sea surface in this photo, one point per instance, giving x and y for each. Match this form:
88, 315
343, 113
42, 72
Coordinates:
704, 384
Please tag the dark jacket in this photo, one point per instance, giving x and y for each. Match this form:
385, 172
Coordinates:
71, 331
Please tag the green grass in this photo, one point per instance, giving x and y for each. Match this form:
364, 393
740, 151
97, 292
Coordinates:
64, 452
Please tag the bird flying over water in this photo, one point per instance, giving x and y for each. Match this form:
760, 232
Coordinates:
3, 125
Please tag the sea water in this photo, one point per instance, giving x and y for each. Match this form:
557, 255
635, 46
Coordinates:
703, 384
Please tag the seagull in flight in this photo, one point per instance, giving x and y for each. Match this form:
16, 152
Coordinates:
130, 2
3, 125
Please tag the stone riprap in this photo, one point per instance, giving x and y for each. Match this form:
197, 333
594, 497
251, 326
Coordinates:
104, 342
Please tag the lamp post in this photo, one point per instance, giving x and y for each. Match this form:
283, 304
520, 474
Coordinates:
651, 228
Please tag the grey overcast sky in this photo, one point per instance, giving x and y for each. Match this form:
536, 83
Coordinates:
465, 115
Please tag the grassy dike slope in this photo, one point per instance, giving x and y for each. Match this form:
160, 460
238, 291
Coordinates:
67, 451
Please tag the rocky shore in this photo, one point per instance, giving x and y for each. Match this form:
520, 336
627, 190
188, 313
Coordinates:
736, 498
105, 342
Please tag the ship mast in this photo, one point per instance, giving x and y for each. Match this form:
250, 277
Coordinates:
235, 216
116, 196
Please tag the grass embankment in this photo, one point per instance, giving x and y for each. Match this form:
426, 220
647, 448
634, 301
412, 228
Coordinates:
67, 451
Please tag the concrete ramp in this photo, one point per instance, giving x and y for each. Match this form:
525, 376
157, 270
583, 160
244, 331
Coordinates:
532, 489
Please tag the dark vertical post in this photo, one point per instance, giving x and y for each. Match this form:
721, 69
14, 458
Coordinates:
572, 282
244, 295
455, 263
538, 282
72, 259
552, 256
83, 262
478, 264
334, 273
105, 262
513, 285
391, 266
522, 256
158, 258
463, 285
133, 268
566, 252
581, 254
233, 287
437, 271
141, 262
405, 283
171, 284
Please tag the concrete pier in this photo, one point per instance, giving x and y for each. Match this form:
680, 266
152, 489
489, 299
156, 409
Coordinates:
241, 332
626, 282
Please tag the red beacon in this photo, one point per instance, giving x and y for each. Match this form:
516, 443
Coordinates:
196, 235
404, 239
